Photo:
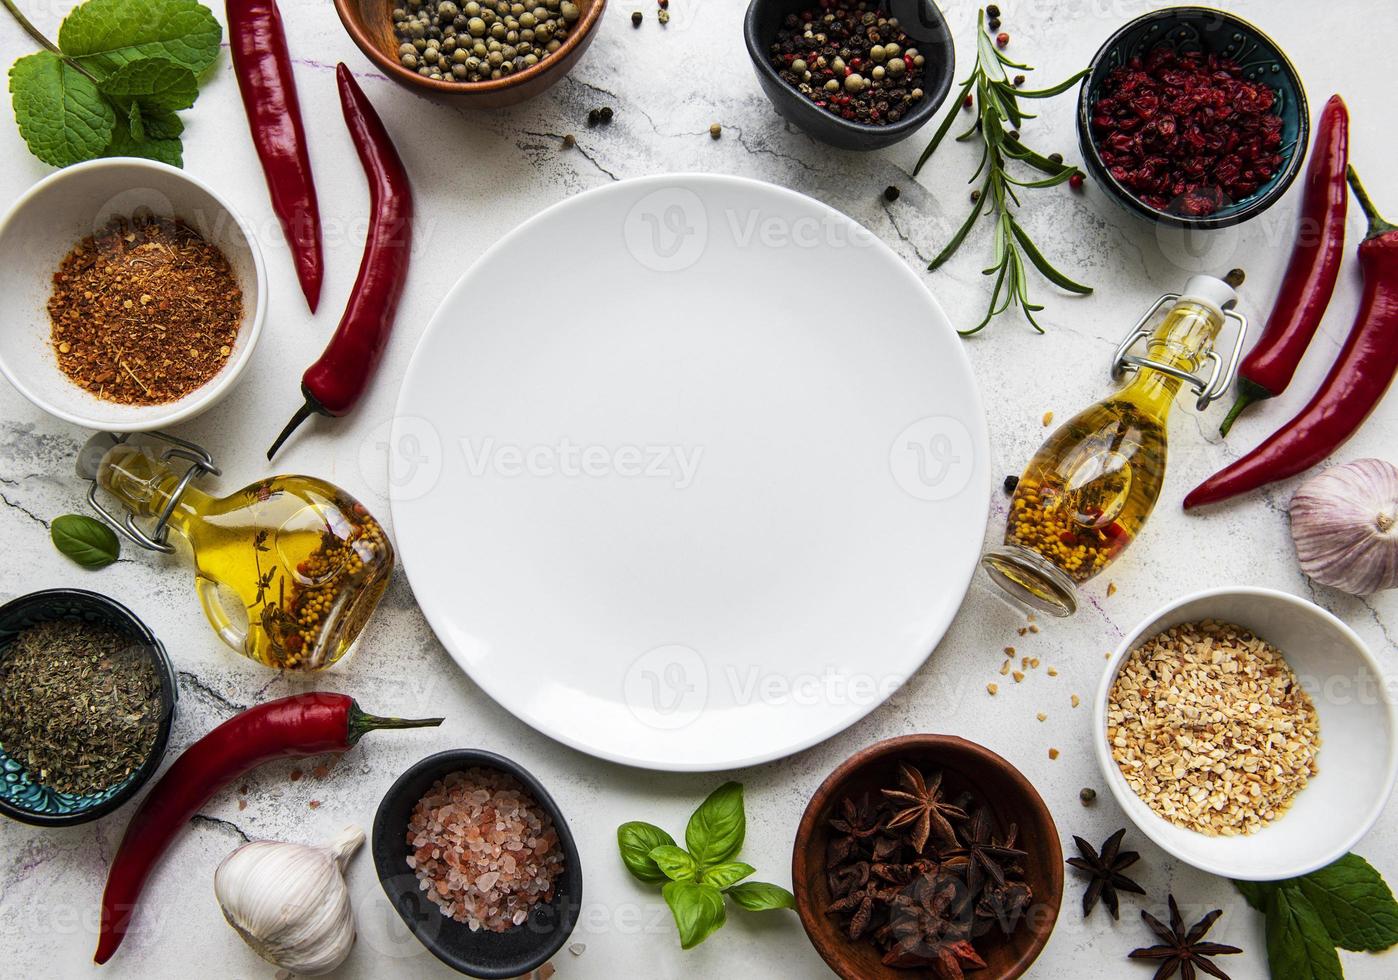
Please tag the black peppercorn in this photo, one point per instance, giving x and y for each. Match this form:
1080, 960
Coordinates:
891, 193
1088, 796
594, 116
993, 23
1056, 157
636, 18
1010, 483
605, 113
991, 10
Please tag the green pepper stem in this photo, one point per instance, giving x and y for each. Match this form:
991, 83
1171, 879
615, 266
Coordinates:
360, 723
1377, 224
1248, 393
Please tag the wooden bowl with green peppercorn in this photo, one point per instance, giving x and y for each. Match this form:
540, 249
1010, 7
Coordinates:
484, 54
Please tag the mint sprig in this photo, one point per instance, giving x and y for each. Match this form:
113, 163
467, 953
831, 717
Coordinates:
1346, 905
698, 877
114, 80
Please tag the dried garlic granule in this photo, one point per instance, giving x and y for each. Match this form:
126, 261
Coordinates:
1212, 729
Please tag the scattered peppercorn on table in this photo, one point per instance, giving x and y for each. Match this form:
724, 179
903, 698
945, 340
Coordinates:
680, 95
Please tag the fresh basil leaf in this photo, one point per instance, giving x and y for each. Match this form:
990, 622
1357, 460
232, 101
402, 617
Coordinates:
675, 862
1256, 893
125, 143
698, 910
636, 840
60, 112
724, 875
153, 83
1298, 945
104, 35
716, 830
87, 541
759, 896
1354, 903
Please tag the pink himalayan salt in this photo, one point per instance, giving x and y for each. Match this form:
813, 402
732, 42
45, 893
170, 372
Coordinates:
483, 850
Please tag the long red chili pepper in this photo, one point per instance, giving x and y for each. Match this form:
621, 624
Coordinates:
1362, 373
1310, 275
305, 724
263, 66
335, 382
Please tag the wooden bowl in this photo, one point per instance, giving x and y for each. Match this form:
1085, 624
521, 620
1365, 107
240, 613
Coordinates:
370, 23
965, 766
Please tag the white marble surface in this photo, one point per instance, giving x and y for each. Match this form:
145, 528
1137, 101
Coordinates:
479, 175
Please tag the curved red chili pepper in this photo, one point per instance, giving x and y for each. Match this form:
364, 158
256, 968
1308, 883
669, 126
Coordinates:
1310, 276
305, 724
335, 382
1361, 374
265, 79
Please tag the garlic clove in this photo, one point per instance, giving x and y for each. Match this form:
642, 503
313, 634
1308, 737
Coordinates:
1344, 522
290, 902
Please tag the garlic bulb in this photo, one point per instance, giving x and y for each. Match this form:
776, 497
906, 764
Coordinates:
290, 902
1345, 525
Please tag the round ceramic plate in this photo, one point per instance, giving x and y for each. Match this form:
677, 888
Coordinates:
689, 472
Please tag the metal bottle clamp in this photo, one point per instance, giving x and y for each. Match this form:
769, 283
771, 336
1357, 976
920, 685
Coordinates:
1220, 376
200, 464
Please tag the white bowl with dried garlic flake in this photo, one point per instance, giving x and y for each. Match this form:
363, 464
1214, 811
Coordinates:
1215, 754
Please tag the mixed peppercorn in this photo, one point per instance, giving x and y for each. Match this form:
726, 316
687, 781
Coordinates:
477, 41
1185, 132
850, 59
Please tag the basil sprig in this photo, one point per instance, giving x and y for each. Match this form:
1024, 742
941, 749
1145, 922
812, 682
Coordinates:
696, 877
1346, 904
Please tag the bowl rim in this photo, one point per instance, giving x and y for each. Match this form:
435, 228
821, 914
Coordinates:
349, 12
169, 695
1123, 793
825, 793
931, 100
1249, 208
450, 760
152, 416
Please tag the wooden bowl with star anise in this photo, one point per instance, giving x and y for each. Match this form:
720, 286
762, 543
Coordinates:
927, 856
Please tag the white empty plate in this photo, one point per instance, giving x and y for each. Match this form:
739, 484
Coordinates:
689, 472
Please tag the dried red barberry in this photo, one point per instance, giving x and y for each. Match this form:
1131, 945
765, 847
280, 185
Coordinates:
1185, 131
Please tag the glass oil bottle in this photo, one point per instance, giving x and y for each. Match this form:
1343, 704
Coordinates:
288, 569
1088, 491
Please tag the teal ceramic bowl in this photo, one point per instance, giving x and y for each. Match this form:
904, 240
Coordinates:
1215, 32
22, 796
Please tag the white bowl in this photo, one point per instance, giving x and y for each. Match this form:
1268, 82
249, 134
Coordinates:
1358, 730
67, 206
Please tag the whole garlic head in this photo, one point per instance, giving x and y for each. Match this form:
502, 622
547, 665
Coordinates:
290, 902
1344, 522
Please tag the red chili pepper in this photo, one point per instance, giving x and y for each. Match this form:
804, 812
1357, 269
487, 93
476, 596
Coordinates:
265, 79
305, 724
335, 382
1310, 276
1361, 374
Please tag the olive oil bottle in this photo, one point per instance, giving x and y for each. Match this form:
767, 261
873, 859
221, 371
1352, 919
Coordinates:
1090, 488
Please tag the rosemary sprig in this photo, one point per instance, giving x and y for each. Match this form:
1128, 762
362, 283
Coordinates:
997, 105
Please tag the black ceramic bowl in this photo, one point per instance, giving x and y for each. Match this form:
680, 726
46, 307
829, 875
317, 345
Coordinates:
484, 954
919, 18
1209, 30
23, 796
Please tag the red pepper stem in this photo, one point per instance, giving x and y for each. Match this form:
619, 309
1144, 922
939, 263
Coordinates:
1377, 224
1249, 392
360, 723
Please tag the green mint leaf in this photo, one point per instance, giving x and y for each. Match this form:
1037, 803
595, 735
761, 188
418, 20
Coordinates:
1256, 893
725, 875
148, 145
104, 35
1298, 946
698, 910
161, 124
636, 840
716, 830
1354, 903
759, 896
154, 83
675, 862
60, 113
134, 122
88, 542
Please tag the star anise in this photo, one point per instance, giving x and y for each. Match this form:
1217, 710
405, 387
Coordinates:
927, 929
986, 856
1106, 870
1004, 904
860, 902
856, 824
848, 877
1183, 952
922, 808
